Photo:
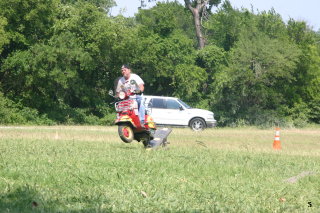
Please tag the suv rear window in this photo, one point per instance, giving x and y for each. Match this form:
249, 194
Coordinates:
157, 103
162, 103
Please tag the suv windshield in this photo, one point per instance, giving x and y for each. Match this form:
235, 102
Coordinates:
184, 104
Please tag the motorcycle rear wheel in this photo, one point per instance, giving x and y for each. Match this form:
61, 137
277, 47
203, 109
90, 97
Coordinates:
126, 133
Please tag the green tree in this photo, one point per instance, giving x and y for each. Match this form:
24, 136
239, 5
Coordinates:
103, 4
305, 87
224, 27
68, 71
271, 24
165, 54
259, 68
28, 21
165, 18
46, 77
3, 34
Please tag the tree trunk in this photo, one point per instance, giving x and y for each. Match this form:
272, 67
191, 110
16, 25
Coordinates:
197, 24
197, 20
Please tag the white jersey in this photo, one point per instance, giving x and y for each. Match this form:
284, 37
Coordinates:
129, 84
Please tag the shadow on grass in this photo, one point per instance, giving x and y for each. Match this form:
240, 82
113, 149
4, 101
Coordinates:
21, 199
27, 199
125, 146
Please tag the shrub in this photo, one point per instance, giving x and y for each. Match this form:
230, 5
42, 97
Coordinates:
14, 113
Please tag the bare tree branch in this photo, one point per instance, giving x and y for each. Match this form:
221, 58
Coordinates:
188, 5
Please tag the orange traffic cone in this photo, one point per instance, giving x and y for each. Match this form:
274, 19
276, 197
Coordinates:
276, 142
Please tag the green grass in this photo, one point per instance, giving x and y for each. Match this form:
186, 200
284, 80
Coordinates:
88, 169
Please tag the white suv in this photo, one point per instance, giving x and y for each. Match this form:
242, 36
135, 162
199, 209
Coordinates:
174, 112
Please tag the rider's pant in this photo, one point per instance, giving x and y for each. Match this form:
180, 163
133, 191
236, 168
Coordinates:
141, 108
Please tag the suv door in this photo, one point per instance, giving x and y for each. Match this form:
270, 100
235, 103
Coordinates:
157, 111
168, 111
175, 113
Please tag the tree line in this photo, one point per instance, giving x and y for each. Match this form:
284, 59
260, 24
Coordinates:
59, 58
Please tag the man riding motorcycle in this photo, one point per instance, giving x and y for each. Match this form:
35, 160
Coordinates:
131, 81
131, 114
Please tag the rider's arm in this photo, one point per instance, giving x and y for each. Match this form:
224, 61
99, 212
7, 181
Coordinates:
141, 87
119, 88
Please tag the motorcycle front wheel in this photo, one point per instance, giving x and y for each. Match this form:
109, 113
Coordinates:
125, 132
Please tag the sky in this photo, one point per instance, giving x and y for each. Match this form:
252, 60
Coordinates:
307, 10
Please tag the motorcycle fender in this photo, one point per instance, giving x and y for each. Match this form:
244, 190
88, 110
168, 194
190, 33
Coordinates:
150, 122
124, 119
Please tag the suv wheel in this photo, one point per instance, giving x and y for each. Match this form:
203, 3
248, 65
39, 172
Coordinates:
197, 124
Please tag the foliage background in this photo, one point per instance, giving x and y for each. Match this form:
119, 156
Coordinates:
58, 59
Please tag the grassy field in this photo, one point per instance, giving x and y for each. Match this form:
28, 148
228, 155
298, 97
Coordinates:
88, 169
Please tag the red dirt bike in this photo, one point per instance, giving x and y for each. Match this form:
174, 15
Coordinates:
129, 126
